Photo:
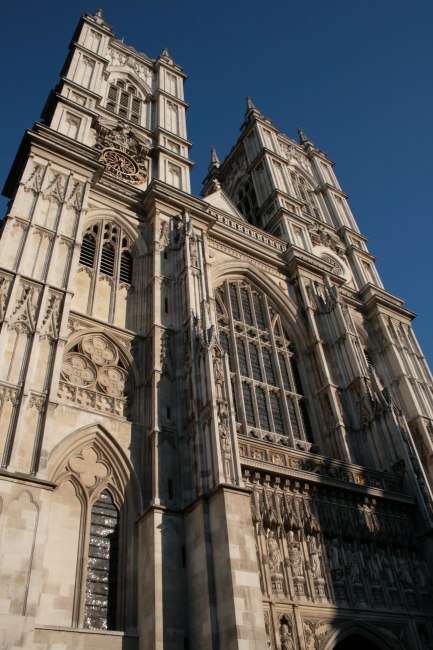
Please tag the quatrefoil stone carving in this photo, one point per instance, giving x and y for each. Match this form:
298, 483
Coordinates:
88, 467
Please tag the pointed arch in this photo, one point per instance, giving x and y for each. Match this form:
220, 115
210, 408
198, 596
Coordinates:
121, 478
95, 464
370, 632
139, 244
124, 355
270, 399
119, 72
240, 269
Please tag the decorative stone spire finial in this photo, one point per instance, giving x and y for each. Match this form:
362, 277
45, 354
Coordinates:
303, 138
250, 105
98, 16
213, 157
165, 52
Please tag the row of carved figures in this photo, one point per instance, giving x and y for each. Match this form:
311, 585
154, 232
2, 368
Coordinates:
356, 569
352, 515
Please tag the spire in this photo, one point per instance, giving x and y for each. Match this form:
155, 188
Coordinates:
98, 17
213, 157
303, 138
214, 162
251, 109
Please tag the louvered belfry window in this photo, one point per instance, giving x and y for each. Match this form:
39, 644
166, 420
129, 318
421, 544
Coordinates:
87, 254
124, 99
270, 403
101, 583
106, 248
246, 200
305, 194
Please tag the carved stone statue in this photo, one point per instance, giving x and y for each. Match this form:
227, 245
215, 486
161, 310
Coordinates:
286, 638
315, 553
334, 560
295, 557
274, 553
403, 571
372, 563
418, 571
353, 564
386, 569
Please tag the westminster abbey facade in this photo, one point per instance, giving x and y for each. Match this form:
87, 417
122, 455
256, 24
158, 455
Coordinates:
216, 425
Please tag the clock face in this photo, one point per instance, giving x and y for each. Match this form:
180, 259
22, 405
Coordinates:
123, 163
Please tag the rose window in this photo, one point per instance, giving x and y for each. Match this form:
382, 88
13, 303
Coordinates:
93, 376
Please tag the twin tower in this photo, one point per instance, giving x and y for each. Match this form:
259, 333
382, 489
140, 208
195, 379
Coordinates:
216, 425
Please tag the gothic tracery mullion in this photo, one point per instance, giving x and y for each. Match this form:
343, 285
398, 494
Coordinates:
117, 254
283, 402
234, 356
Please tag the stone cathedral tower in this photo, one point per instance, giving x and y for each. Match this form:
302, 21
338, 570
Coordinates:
216, 425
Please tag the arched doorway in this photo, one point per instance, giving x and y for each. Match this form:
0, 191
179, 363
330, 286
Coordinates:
356, 642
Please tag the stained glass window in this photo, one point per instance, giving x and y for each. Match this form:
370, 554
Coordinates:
101, 583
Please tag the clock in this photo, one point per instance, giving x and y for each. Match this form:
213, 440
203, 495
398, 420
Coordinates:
122, 163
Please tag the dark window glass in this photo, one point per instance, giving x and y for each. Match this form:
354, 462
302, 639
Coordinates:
306, 421
276, 413
293, 419
259, 312
87, 254
262, 409
267, 362
246, 307
107, 259
249, 411
235, 406
284, 373
296, 375
234, 302
101, 584
243, 367
255, 362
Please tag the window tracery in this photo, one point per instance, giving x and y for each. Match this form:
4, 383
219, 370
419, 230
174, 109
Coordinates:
246, 200
305, 194
267, 390
93, 376
106, 258
124, 99
106, 243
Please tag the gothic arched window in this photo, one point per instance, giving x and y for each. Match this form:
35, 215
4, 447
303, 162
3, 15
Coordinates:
107, 247
246, 200
124, 99
101, 583
107, 261
304, 192
268, 395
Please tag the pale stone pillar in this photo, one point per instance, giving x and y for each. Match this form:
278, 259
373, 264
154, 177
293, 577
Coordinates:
224, 568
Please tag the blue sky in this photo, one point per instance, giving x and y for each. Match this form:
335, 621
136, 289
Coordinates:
357, 76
